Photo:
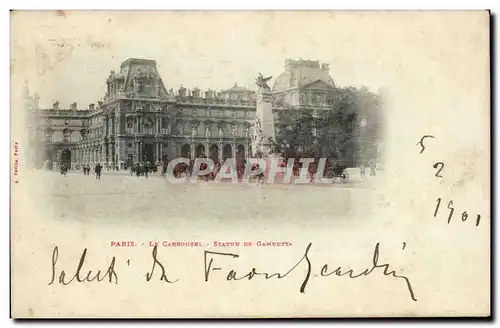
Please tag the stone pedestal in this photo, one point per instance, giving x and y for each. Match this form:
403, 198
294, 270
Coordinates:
265, 114
263, 125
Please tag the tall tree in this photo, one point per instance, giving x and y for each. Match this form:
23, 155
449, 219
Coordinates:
330, 132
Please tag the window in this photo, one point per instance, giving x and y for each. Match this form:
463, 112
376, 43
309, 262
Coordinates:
148, 127
130, 127
48, 135
164, 128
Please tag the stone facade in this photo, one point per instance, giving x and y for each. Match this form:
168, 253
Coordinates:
138, 119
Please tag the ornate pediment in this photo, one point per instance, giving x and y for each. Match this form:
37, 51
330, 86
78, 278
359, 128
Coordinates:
317, 85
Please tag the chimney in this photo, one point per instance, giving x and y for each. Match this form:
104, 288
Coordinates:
36, 100
100, 103
182, 91
325, 67
73, 106
209, 94
288, 65
196, 93
91, 107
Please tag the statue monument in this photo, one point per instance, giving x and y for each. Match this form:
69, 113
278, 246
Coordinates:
263, 125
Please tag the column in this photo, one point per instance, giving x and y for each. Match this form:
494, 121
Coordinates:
55, 160
207, 149
106, 153
136, 125
158, 156
118, 124
118, 152
220, 151
113, 152
161, 123
136, 159
103, 152
233, 148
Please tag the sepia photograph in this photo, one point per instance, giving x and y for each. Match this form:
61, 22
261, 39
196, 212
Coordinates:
249, 164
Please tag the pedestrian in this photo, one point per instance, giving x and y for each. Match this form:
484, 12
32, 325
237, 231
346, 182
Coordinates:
98, 169
373, 167
165, 165
362, 171
146, 169
138, 169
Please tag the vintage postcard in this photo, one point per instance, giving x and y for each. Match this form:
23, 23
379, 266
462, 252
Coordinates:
250, 164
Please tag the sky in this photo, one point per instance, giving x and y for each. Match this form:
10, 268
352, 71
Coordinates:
67, 56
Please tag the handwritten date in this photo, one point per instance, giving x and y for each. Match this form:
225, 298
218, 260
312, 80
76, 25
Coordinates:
451, 209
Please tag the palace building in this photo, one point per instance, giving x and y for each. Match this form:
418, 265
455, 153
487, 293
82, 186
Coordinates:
140, 120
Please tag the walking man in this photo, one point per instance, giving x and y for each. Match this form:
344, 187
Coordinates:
98, 169
138, 169
146, 169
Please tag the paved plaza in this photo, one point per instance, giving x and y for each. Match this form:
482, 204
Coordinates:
119, 198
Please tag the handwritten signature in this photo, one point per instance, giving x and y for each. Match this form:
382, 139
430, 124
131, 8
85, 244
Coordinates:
159, 272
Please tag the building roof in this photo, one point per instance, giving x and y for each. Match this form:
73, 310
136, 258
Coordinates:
237, 88
138, 61
302, 72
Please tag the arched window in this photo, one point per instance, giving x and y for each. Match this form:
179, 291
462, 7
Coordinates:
148, 126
